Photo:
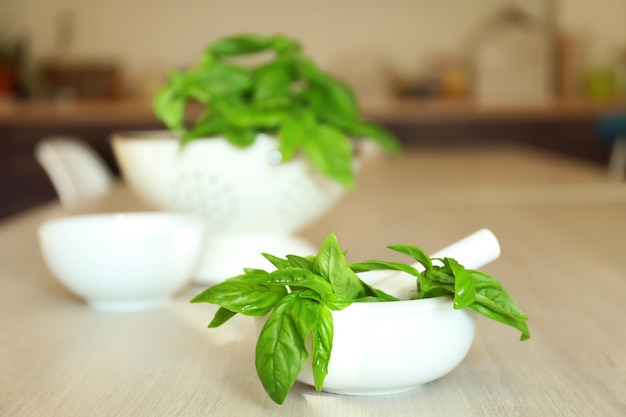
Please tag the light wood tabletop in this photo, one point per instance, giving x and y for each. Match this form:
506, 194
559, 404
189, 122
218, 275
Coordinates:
562, 229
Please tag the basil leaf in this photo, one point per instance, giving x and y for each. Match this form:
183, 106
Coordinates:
287, 276
239, 45
302, 262
169, 107
435, 282
210, 128
500, 301
336, 302
298, 277
328, 109
281, 348
218, 80
285, 47
431, 289
254, 271
323, 334
279, 263
271, 80
464, 285
221, 316
329, 151
240, 138
237, 295
304, 311
310, 294
483, 280
439, 274
514, 322
379, 295
383, 265
332, 99
332, 265
414, 252
372, 299
378, 135
245, 116
291, 134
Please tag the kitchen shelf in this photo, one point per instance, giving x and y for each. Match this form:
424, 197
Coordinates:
394, 111
409, 111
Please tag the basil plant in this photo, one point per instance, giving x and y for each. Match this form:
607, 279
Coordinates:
249, 84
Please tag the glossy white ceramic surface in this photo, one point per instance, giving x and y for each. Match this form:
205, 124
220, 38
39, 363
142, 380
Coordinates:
235, 190
123, 261
385, 348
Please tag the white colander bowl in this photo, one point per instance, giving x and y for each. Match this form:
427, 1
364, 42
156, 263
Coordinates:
250, 203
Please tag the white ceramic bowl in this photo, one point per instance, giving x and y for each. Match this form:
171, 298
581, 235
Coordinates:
249, 202
391, 347
123, 261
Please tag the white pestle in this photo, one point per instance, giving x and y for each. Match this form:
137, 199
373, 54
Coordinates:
473, 252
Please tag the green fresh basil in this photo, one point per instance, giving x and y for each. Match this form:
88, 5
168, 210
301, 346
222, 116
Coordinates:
299, 277
383, 266
279, 263
272, 81
221, 316
464, 285
302, 262
281, 348
507, 319
171, 106
332, 264
322, 337
240, 296
376, 134
238, 45
291, 134
287, 95
416, 253
470, 288
298, 298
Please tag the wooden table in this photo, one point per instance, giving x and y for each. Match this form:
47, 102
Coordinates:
562, 229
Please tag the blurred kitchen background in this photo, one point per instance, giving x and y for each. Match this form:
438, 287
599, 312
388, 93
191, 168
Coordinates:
435, 72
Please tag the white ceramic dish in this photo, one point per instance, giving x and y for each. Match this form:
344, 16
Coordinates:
123, 261
249, 202
385, 348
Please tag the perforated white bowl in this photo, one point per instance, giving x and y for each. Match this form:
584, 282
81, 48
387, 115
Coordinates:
249, 202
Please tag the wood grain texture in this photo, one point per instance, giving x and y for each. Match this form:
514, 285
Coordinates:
562, 229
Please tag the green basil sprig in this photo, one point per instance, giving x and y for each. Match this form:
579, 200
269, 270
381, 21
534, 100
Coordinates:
298, 298
288, 96
469, 288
